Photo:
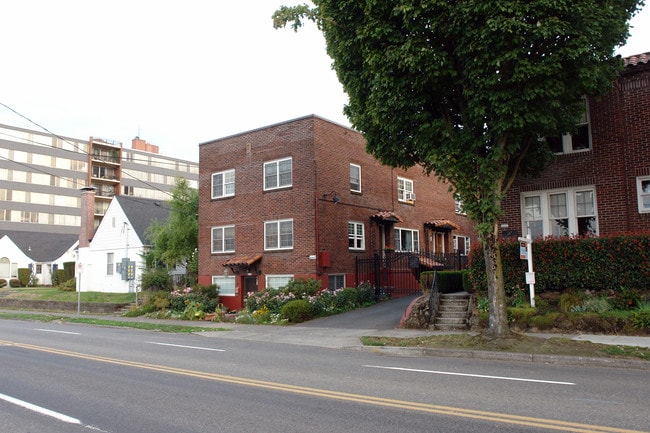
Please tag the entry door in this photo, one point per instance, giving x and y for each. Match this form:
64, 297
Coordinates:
250, 284
439, 243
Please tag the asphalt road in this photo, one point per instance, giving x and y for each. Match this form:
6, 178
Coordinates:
124, 380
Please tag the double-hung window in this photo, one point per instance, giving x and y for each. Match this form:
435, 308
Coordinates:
223, 184
407, 240
461, 244
278, 235
560, 212
110, 259
569, 143
355, 236
277, 281
405, 190
223, 239
643, 193
277, 174
355, 178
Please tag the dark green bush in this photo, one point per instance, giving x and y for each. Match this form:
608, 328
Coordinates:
156, 279
3, 282
546, 321
68, 268
640, 319
606, 263
519, 316
15, 282
301, 287
296, 311
59, 277
24, 275
450, 281
569, 300
68, 286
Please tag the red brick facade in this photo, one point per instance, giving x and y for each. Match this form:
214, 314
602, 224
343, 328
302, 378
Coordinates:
618, 158
319, 202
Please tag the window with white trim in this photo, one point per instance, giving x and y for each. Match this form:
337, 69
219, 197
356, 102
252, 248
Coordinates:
223, 184
355, 178
277, 281
226, 285
278, 234
356, 239
277, 174
223, 239
643, 193
461, 244
569, 143
405, 190
407, 240
568, 212
109, 263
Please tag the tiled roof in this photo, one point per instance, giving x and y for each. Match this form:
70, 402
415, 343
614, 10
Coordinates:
636, 59
386, 216
443, 224
243, 260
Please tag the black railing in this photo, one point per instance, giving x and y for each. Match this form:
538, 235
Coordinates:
396, 274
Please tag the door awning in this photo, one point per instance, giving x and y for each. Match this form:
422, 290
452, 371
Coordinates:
244, 260
386, 216
442, 224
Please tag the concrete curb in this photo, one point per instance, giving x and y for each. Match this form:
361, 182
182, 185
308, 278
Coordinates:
504, 356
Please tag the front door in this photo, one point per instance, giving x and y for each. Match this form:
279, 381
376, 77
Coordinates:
250, 284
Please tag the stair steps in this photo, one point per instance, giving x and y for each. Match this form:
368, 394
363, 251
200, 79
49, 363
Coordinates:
453, 312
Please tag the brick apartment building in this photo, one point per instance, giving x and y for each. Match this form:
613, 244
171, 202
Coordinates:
600, 182
303, 199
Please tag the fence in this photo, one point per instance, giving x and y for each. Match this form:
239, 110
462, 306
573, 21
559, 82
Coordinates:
397, 274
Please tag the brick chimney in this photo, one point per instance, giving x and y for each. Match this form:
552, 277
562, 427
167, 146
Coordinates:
139, 144
87, 216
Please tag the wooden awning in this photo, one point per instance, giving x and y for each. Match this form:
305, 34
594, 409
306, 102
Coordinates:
442, 224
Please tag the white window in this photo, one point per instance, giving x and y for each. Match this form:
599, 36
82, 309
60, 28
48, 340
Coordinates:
560, 213
461, 244
405, 190
407, 240
336, 281
278, 235
223, 184
226, 285
223, 239
355, 236
277, 174
355, 178
569, 143
643, 193
277, 281
109, 263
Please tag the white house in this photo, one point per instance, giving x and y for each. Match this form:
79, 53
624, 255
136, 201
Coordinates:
43, 253
119, 239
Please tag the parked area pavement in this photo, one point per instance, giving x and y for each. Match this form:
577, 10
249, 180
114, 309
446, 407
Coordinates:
344, 331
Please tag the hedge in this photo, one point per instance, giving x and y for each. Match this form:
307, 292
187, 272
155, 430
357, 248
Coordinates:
447, 281
606, 263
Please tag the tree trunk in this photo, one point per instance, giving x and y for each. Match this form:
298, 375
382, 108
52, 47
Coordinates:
498, 325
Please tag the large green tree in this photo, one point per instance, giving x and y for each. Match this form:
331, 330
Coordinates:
468, 88
175, 241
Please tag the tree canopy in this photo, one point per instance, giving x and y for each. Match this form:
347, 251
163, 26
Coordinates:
175, 241
468, 89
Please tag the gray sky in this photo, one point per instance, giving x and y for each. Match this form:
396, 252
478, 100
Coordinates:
176, 73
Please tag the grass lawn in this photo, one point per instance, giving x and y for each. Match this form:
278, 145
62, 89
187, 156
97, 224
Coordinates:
43, 293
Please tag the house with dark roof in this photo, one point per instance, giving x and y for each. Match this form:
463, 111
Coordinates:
42, 253
111, 257
599, 182
303, 199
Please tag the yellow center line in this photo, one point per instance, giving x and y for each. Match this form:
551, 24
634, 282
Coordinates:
343, 396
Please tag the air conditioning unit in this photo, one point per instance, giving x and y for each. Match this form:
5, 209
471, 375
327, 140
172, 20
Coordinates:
409, 196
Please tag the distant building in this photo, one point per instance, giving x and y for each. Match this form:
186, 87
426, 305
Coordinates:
303, 199
41, 175
599, 184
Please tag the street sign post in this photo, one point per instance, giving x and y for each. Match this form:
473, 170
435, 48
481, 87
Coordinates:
526, 253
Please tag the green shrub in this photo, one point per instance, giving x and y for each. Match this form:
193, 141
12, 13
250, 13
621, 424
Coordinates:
426, 279
569, 300
301, 287
15, 282
59, 277
155, 279
450, 281
68, 286
625, 299
519, 316
545, 321
297, 311
24, 275
68, 268
640, 318
3, 282
593, 305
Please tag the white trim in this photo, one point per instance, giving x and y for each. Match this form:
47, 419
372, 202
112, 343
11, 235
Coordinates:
643, 193
407, 187
278, 185
279, 235
223, 175
223, 239
229, 279
288, 277
355, 236
359, 168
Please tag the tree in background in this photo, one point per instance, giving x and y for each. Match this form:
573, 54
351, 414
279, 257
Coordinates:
467, 89
176, 240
